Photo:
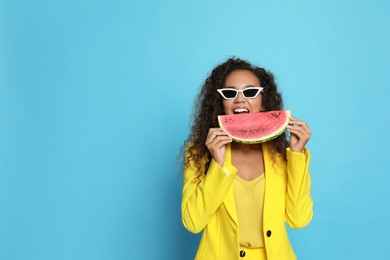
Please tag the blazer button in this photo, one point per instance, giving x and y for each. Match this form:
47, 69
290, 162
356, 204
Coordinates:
242, 253
269, 233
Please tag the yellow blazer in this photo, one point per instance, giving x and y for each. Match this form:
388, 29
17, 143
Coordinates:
209, 205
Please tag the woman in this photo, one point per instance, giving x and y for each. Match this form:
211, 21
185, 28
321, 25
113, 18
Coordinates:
241, 195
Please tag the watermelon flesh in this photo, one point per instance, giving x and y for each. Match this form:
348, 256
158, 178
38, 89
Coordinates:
254, 128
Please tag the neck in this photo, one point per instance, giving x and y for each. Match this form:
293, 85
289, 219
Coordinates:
245, 147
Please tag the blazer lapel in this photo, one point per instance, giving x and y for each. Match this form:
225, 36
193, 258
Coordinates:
269, 201
229, 201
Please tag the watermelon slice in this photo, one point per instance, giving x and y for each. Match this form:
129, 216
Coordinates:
254, 128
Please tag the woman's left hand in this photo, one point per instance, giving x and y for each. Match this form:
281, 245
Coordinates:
299, 134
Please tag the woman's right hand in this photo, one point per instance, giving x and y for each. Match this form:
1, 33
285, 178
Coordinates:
216, 143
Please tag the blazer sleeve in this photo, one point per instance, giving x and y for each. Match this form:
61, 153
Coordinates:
201, 199
299, 204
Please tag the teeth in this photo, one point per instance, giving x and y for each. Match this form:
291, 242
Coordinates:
241, 110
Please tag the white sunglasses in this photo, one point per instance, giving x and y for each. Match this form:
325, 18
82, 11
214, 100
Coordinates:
231, 93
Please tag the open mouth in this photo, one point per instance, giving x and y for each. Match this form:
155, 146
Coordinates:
240, 110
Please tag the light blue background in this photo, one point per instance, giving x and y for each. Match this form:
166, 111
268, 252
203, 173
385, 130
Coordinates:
96, 97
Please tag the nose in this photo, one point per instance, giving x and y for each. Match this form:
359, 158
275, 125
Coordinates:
240, 97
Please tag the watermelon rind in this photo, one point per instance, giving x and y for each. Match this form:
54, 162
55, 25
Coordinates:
261, 139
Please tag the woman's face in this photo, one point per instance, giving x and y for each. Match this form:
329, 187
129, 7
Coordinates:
242, 79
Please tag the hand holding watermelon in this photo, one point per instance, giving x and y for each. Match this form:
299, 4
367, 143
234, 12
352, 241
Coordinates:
299, 134
215, 142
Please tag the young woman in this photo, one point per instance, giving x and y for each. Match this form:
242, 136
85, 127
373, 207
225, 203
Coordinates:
241, 195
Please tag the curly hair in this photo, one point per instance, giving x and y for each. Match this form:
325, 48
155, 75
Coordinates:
208, 105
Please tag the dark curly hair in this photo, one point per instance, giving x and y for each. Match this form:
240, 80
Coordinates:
208, 106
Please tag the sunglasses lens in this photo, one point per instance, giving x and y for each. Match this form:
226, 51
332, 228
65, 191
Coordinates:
229, 93
250, 93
